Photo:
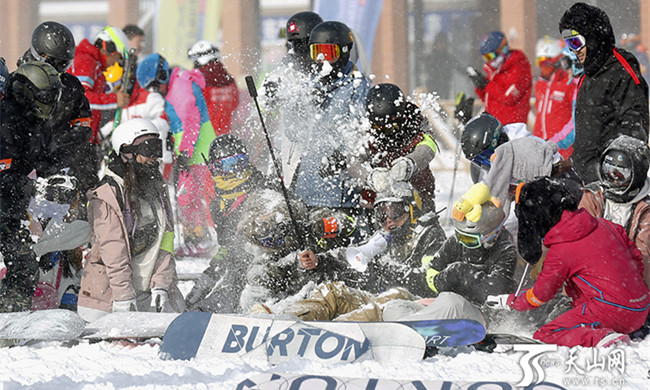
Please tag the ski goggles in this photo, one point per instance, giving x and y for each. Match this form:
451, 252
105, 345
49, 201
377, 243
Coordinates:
468, 240
392, 210
491, 56
320, 52
484, 158
544, 61
575, 42
620, 176
276, 237
230, 164
151, 147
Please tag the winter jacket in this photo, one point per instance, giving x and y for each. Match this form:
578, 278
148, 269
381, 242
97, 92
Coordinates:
637, 227
553, 103
341, 105
221, 95
88, 65
597, 264
109, 273
507, 93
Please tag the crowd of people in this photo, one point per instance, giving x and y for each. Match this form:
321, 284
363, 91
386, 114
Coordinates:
145, 159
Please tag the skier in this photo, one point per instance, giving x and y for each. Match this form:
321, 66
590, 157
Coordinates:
600, 268
553, 92
31, 99
131, 265
90, 60
70, 143
506, 89
612, 95
220, 91
322, 176
400, 148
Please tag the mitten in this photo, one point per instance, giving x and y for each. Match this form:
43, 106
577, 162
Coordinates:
402, 170
499, 302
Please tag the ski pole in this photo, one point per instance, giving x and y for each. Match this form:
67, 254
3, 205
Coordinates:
252, 90
521, 282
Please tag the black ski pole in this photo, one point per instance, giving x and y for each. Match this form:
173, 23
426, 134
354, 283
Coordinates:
252, 90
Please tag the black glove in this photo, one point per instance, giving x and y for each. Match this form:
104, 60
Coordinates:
464, 108
477, 78
332, 165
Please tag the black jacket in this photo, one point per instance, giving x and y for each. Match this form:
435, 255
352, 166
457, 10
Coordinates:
612, 97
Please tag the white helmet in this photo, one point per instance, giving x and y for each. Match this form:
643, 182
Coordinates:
203, 52
548, 47
128, 131
115, 35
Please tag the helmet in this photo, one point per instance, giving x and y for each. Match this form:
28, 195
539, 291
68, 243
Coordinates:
113, 75
399, 199
203, 52
227, 155
37, 87
4, 76
481, 136
547, 47
331, 41
112, 39
493, 44
53, 43
128, 131
482, 233
153, 69
385, 104
299, 27
623, 168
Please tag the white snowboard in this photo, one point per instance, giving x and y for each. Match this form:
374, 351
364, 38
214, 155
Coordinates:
56, 324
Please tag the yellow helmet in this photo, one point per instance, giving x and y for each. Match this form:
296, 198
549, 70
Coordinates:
113, 75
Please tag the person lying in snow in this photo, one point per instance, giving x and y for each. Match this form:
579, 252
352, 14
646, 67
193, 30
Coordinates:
600, 267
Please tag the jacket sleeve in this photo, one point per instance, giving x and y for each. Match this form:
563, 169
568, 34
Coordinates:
107, 233
549, 281
630, 107
642, 241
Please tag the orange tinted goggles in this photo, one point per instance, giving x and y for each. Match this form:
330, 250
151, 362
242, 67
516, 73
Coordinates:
325, 52
490, 56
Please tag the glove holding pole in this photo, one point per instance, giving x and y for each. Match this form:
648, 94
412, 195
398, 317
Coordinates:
477, 78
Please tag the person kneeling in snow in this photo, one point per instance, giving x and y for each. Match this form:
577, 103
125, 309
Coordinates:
600, 267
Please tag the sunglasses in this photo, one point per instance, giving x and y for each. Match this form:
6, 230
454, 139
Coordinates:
230, 164
576, 42
392, 210
484, 158
621, 176
320, 52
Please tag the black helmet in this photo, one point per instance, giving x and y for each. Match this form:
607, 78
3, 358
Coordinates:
482, 133
37, 87
335, 33
231, 146
385, 104
299, 27
53, 43
623, 168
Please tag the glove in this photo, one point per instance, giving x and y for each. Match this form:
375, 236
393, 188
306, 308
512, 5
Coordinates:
183, 161
332, 165
160, 301
379, 180
464, 108
201, 289
477, 78
430, 275
469, 205
122, 306
402, 170
498, 302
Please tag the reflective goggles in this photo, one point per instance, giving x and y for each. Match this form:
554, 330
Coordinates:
230, 164
275, 238
575, 42
489, 57
151, 147
547, 61
484, 158
392, 210
620, 176
320, 52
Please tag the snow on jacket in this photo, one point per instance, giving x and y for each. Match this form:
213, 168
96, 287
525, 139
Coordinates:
507, 93
475, 273
221, 95
108, 273
637, 227
595, 261
88, 65
341, 106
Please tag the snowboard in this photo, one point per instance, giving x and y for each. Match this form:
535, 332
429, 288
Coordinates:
203, 335
55, 324
448, 333
281, 381
129, 325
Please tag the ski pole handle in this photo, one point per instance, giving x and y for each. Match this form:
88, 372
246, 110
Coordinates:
252, 90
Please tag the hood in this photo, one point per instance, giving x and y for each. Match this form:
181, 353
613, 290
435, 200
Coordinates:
573, 226
592, 23
193, 75
639, 154
88, 48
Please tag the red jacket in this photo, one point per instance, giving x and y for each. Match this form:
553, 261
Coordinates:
553, 103
88, 65
221, 96
507, 94
597, 263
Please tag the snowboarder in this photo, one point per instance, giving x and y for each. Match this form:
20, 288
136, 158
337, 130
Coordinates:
33, 94
131, 265
612, 95
600, 267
